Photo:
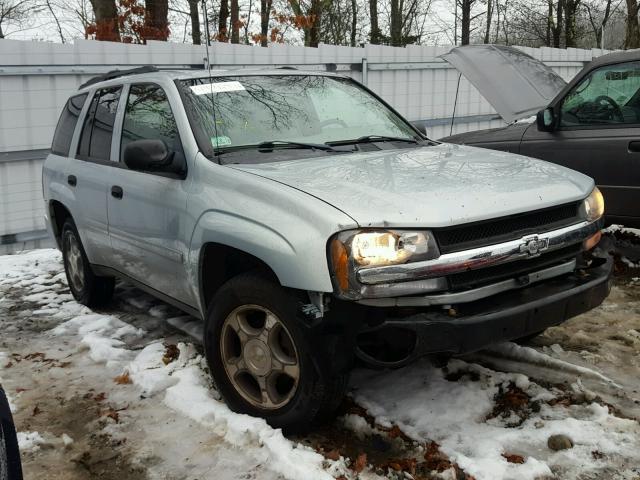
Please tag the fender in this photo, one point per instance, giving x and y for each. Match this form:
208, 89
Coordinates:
303, 267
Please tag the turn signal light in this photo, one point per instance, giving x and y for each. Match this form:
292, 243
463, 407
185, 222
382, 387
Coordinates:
340, 261
592, 241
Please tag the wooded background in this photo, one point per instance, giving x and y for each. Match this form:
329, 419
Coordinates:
555, 23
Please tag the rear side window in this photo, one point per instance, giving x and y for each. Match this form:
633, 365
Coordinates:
97, 131
148, 116
67, 125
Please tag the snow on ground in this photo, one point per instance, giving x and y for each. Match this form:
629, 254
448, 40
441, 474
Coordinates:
110, 398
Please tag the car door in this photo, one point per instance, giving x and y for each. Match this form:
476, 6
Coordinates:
87, 173
598, 133
147, 211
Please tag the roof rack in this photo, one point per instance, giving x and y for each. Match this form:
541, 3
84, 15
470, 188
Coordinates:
118, 73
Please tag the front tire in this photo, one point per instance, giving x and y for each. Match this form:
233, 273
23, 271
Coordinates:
263, 364
86, 287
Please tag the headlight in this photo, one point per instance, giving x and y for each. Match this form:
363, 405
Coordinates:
594, 205
354, 250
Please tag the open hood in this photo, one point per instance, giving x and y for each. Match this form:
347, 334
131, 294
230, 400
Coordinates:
514, 83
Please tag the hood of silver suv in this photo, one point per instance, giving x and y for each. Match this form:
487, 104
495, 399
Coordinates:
433, 186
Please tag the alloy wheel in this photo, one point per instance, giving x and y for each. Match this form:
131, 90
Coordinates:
259, 357
75, 263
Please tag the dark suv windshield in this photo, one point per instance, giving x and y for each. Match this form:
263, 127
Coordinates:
246, 111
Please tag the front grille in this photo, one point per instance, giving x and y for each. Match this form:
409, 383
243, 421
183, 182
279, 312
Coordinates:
485, 276
470, 235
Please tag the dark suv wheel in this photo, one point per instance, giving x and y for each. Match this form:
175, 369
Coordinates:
10, 466
87, 288
261, 359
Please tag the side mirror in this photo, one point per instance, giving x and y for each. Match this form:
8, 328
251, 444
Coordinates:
546, 120
150, 156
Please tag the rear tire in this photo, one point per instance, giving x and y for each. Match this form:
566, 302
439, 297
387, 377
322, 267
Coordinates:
261, 357
86, 287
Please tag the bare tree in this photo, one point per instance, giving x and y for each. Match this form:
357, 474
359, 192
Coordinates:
632, 37
598, 18
570, 33
375, 36
13, 11
155, 20
235, 22
223, 19
487, 31
265, 11
196, 34
354, 21
106, 16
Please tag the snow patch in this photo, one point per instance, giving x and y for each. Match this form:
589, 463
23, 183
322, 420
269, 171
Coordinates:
29, 441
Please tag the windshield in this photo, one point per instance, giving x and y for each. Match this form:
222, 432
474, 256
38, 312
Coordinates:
245, 111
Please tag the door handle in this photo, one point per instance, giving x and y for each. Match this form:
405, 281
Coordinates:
116, 191
634, 146
72, 180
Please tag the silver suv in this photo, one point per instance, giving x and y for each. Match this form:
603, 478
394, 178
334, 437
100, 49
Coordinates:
309, 225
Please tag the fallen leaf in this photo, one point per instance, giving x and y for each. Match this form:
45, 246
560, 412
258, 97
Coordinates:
332, 455
8, 365
123, 379
36, 411
100, 397
113, 414
360, 463
513, 457
171, 353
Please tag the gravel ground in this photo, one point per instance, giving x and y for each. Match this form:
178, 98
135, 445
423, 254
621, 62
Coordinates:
123, 393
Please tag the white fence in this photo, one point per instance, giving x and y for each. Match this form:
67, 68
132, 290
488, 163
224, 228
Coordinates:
37, 78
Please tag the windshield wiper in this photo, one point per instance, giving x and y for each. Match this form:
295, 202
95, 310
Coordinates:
271, 144
372, 139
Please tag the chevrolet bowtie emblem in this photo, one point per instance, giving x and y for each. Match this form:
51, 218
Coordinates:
534, 246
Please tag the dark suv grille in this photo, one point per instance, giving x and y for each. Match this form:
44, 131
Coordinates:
503, 229
485, 276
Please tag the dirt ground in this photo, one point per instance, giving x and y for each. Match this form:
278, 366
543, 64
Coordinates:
94, 424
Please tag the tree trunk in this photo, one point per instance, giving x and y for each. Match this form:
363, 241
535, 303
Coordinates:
465, 23
557, 31
196, 35
265, 11
106, 14
235, 22
155, 20
487, 31
396, 23
375, 30
570, 8
1, 32
315, 14
354, 21
223, 30
632, 38
549, 22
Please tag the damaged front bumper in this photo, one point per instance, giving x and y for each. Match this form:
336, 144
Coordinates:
404, 334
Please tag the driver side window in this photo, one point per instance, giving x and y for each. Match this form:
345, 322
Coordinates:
607, 96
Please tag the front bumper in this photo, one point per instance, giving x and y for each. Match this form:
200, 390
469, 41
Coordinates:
507, 316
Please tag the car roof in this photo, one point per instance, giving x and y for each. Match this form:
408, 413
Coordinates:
178, 74
615, 57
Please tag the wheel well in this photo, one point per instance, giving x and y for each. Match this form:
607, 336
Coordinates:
219, 263
59, 214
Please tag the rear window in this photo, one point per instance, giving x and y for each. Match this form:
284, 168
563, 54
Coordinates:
95, 139
67, 125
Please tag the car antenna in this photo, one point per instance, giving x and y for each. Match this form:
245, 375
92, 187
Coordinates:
207, 44
455, 104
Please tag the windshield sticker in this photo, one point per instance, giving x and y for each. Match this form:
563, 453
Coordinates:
221, 141
218, 87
